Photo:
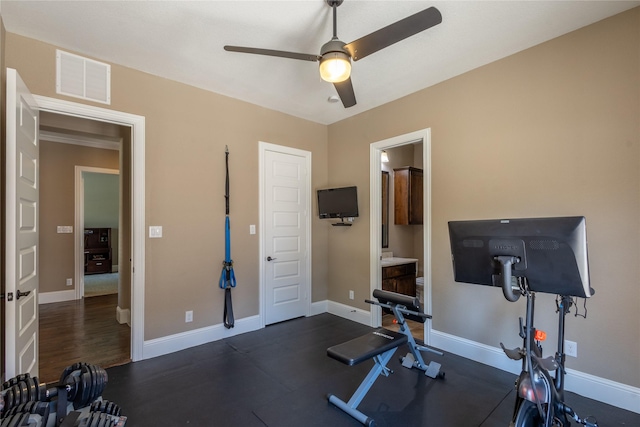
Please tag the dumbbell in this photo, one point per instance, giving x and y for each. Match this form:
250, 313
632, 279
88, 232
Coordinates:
39, 408
32, 414
15, 420
20, 390
84, 383
99, 419
105, 406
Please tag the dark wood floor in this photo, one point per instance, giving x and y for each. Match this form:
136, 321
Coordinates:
81, 331
416, 328
280, 376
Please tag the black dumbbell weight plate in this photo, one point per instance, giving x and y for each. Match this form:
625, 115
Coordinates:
16, 420
8, 399
84, 388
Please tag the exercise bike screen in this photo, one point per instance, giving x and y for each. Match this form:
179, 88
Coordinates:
551, 253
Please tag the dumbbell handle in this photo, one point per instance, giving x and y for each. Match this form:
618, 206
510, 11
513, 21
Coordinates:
53, 392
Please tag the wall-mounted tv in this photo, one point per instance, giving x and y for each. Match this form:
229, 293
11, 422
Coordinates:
338, 202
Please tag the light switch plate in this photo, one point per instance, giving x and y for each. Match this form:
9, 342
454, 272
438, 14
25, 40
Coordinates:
155, 231
65, 229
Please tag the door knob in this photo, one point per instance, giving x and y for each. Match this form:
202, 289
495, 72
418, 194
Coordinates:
270, 259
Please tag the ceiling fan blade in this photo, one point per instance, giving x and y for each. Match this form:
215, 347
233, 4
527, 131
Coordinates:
345, 91
270, 52
394, 33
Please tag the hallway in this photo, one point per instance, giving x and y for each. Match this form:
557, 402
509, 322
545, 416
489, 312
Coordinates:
81, 331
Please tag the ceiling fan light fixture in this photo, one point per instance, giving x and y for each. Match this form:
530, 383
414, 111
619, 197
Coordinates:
335, 67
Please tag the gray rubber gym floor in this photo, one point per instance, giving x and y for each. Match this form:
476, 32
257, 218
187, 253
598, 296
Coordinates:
280, 376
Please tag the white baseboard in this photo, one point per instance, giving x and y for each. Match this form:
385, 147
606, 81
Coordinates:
318, 308
58, 296
606, 391
348, 312
184, 340
123, 315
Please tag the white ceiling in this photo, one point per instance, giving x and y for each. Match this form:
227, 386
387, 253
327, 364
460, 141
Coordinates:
183, 41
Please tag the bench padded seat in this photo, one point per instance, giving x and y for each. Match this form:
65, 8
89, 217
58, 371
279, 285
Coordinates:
367, 346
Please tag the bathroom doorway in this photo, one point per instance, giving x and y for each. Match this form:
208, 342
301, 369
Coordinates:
415, 149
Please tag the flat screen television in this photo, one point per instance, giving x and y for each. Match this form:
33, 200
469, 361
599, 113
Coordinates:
338, 202
551, 253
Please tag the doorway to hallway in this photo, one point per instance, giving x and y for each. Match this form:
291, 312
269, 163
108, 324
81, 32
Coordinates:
82, 330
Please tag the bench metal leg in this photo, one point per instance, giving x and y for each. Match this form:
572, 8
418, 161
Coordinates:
414, 359
379, 368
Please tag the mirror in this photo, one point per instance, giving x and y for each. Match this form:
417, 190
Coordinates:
385, 209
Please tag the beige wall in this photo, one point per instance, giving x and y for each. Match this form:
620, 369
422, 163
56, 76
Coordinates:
57, 206
550, 131
186, 133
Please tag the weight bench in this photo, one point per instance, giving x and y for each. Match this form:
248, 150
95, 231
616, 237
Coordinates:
380, 345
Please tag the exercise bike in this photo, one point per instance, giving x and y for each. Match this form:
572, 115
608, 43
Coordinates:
524, 256
539, 396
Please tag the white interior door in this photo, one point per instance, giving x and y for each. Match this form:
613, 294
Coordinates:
21, 301
286, 254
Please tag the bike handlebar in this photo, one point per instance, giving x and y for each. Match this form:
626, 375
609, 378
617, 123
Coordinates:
507, 287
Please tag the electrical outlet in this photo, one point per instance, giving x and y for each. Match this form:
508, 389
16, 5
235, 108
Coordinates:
351, 296
69, 282
188, 316
571, 348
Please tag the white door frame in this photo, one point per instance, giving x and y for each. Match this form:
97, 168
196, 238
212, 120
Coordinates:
137, 125
79, 223
375, 220
262, 147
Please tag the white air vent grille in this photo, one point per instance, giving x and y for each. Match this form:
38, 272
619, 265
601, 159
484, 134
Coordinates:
83, 78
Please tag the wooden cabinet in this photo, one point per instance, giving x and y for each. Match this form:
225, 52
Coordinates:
400, 278
408, 195
97, 250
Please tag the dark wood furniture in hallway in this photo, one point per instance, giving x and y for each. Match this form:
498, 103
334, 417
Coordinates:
97, 250
81, 331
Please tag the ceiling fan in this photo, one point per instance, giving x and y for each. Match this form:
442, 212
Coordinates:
335, 56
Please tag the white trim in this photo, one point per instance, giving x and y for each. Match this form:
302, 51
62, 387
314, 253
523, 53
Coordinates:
84, 140
137, 124
78, 247
375, 238
123, 315
600, 389
172, 343
58, 296
319, 307
348, 312
262, 148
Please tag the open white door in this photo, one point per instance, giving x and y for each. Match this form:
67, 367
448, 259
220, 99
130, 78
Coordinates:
21, 301
286, 253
